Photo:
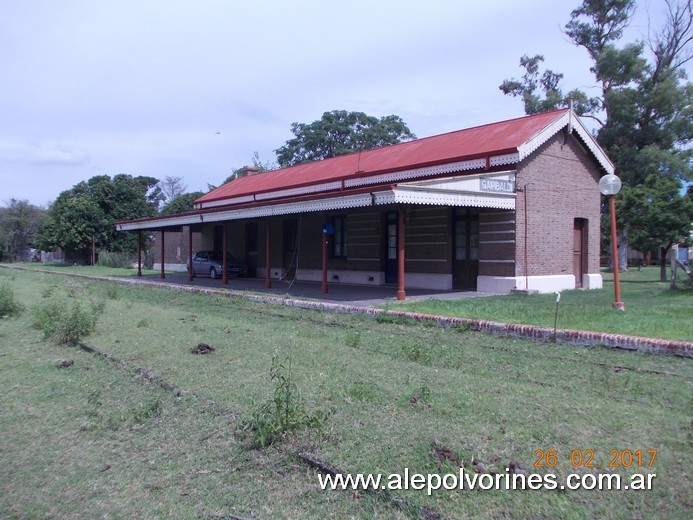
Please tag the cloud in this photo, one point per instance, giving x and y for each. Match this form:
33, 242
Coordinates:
47, 154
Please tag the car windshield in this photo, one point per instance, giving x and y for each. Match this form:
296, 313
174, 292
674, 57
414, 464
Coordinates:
217, 257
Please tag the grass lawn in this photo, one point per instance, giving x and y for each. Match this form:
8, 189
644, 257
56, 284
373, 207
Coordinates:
97, 440
652, 309
92, 270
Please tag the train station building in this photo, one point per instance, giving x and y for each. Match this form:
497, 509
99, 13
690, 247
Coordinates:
508, 205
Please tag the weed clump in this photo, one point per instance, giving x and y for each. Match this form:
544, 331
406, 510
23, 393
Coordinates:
418, 352
66, 320
285, 412
9, 305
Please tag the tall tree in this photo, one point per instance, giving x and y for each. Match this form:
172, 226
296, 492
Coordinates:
340, 132
171, 187
89, 210
643, 111
181, 203
20, 221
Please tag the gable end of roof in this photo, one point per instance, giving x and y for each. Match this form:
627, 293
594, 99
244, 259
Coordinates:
573, 123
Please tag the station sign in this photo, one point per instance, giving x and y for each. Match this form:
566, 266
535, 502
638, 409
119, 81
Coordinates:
497, 185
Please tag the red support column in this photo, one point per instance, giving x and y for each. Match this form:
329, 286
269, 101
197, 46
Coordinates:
163, 253
225, 275
139, 253
400, 257
190, 270
323, 287
268, 280
618, 304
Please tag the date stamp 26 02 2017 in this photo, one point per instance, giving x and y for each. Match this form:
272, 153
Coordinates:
587, 459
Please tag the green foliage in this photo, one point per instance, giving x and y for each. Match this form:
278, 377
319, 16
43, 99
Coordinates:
286, 412
66, 320
541, 93
644, 112
338, 133
19, 224
9, 305
90, 209
657, 213
181, 203
596, 23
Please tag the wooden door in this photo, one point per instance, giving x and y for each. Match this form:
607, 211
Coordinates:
465, 254
579, 250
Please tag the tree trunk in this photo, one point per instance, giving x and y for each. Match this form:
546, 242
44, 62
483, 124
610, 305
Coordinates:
663, 263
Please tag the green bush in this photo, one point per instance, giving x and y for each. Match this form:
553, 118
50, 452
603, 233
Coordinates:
111, 259
66, 320
8, 303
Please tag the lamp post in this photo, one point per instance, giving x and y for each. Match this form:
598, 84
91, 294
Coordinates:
610, 185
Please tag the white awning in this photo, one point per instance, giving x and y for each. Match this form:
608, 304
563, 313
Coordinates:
493, 190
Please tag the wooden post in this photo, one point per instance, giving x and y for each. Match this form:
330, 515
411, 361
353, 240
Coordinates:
190, 269
674, 257
323, 287
139, 253
163, 253
225, 275
268, 280
400, 257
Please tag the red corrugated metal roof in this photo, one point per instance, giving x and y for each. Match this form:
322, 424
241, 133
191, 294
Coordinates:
481, 141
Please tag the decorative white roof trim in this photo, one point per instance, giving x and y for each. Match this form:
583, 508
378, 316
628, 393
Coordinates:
225, 202
533, 143
510, 158
462, 190
348, 201
182, 220
593, 146
417, 195
570, 120
304, 190
415, 173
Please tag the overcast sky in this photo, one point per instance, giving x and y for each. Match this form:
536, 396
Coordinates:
193, 88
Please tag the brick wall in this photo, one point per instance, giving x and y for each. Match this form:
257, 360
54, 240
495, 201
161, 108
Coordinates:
561, 183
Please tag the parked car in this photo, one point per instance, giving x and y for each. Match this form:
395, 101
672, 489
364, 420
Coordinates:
211, 263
